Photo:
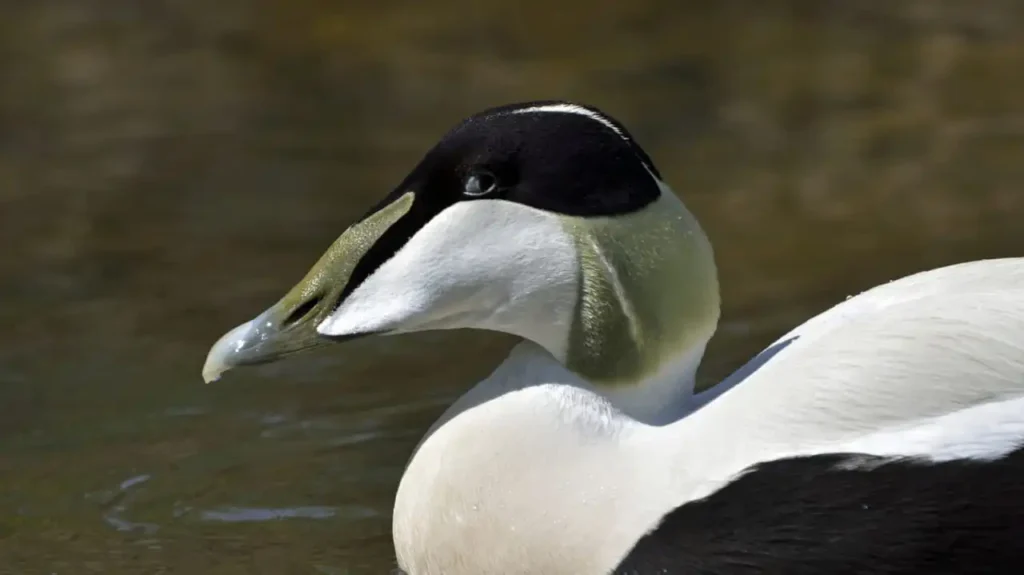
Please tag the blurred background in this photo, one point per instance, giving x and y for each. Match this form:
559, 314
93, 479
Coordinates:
169, 168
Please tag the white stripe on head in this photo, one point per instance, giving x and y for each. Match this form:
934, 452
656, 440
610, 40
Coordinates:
565, 108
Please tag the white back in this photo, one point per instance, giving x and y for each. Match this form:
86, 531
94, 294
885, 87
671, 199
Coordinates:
902, 368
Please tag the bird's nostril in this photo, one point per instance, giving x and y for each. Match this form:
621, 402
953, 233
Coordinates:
302, 311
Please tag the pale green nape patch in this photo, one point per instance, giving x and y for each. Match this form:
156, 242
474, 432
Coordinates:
329, 276
648, 291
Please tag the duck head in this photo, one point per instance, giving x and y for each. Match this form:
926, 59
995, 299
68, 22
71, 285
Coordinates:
544, 220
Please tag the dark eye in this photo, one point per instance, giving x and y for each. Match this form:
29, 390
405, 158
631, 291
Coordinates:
480, 183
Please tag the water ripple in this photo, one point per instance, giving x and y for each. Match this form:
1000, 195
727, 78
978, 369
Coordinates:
250, 514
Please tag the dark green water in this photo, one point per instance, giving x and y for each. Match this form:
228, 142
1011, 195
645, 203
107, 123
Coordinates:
167, 171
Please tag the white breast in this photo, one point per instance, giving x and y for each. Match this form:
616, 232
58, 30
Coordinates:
546, 479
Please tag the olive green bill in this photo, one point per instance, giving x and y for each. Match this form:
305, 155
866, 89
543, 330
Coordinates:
290, 325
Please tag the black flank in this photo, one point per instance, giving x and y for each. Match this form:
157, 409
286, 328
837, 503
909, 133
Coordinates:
810, 516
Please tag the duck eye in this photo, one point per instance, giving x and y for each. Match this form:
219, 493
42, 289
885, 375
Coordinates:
480, 183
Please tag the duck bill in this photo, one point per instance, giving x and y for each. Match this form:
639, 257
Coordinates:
290, 325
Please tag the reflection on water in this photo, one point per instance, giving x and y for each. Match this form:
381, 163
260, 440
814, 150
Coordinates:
116, 502
169, 169
243, 514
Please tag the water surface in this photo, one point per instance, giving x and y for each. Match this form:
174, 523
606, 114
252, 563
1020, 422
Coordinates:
167, 171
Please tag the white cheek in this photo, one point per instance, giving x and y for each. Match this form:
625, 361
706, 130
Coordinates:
483, 264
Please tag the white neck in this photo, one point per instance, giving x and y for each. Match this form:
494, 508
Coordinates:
663, 397
660, 399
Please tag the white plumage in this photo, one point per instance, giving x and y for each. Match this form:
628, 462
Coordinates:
852, 444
